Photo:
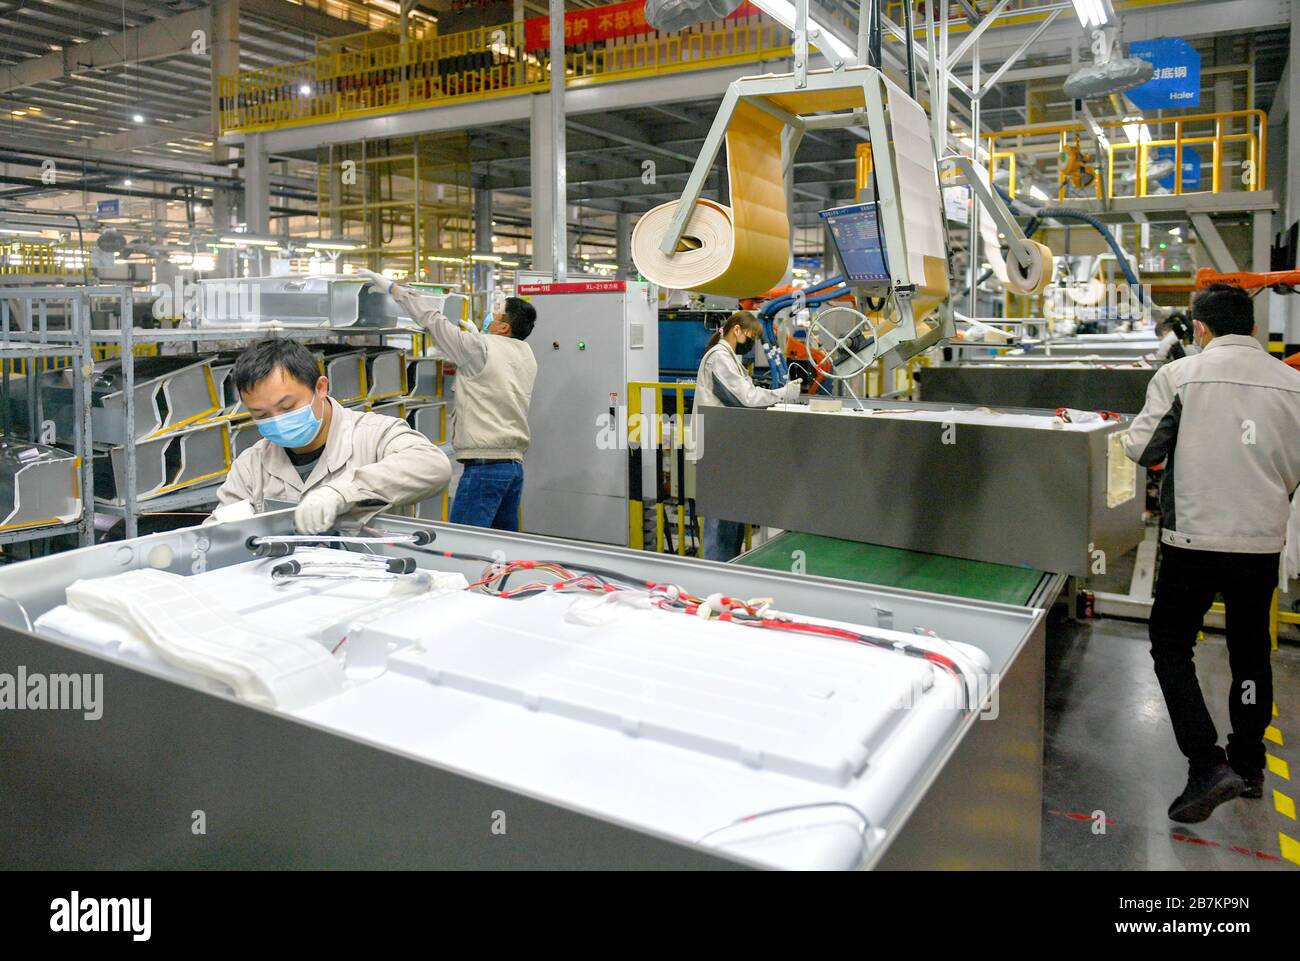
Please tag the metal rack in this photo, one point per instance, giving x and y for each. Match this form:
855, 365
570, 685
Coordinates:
128, 337
38, 342
77, 344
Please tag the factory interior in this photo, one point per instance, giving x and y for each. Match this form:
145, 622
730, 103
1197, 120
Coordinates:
817, 367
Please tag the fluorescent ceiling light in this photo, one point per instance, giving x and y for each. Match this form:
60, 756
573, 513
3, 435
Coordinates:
1092, 13
783, 10
486, 258
138, 118
249, 240
509, 263
339, 243
605, 266
446, 260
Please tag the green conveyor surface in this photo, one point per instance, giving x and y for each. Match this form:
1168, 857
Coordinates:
893, 567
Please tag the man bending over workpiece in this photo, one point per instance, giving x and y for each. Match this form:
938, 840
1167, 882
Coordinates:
333, 462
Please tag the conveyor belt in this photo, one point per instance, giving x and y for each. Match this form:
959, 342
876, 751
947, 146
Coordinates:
892, 567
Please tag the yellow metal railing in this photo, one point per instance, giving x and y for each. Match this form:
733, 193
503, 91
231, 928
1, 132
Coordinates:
474, 64
1231, 137
1276, 617
674, 447
35, 259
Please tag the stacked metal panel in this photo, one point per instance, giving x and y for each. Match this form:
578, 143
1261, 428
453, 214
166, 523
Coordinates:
38, 485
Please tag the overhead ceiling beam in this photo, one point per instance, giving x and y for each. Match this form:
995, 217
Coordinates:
162, 38
154, 134
294, 16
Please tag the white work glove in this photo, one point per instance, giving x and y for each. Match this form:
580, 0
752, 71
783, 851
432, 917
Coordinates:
378, 282
318, 511
791, 391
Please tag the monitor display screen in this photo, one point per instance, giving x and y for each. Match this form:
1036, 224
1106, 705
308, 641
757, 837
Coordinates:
856, 232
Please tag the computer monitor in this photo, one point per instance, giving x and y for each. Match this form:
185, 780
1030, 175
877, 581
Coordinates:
856, 233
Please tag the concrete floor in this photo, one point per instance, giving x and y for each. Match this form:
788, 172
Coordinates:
1109, 747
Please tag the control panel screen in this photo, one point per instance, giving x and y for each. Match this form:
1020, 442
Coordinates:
856, 232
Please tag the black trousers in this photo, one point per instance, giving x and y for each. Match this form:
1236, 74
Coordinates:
1188, 583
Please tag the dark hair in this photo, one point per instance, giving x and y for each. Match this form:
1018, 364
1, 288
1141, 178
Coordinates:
259, 359
520, 315
1224, 309
1176, 322
741, 318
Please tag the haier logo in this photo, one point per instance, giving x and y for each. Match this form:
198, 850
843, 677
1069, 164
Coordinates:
99, 915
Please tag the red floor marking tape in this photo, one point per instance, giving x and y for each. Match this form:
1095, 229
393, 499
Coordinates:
1185, 838
1245, 852
1079, 816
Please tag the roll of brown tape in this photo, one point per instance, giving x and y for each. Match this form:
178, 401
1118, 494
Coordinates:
1034, 280
732, 251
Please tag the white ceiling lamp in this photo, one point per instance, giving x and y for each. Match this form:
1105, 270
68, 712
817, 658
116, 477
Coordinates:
1093, 13
138, 118
818, 35
334, 243
249, 240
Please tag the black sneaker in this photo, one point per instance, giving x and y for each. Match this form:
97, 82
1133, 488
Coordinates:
1205, 792
1254, 781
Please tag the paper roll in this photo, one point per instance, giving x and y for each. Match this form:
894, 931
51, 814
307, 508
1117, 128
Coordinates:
736, 251
1037, 277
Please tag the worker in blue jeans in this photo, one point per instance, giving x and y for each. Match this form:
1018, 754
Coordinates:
495, 373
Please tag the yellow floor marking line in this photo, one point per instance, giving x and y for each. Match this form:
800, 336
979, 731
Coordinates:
1290, 848
1272, 734
1284, 804
1278, 766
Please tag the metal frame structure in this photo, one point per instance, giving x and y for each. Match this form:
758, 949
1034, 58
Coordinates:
756, 91
40, 342
127, 337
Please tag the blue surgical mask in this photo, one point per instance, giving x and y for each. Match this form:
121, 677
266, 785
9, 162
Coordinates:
296, 428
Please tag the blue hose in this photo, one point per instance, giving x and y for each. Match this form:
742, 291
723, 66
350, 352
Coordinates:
1069, 213
780, 372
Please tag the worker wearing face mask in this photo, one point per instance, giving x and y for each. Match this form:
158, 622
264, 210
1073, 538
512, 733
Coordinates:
335, 463
495, 372
722, 381
1177, 340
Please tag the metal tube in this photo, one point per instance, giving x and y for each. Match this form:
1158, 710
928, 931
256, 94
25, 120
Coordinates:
801, 43
909, 42
974, 245
127, 360
560, 213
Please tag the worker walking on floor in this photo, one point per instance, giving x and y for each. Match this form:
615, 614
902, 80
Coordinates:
722, 381
495, 372
331, 461
1224, 422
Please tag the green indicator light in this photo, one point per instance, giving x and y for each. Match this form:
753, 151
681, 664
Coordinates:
582, 345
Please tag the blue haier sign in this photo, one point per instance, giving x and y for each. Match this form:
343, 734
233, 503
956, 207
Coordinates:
1177, 80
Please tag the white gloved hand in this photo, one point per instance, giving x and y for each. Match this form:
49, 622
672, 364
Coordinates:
792, 390
377, 281
318, 511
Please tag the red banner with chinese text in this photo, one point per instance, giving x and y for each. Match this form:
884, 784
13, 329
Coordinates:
603, 23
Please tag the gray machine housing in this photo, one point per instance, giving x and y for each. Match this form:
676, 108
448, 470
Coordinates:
1031, 498
589, 345
1047, 386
